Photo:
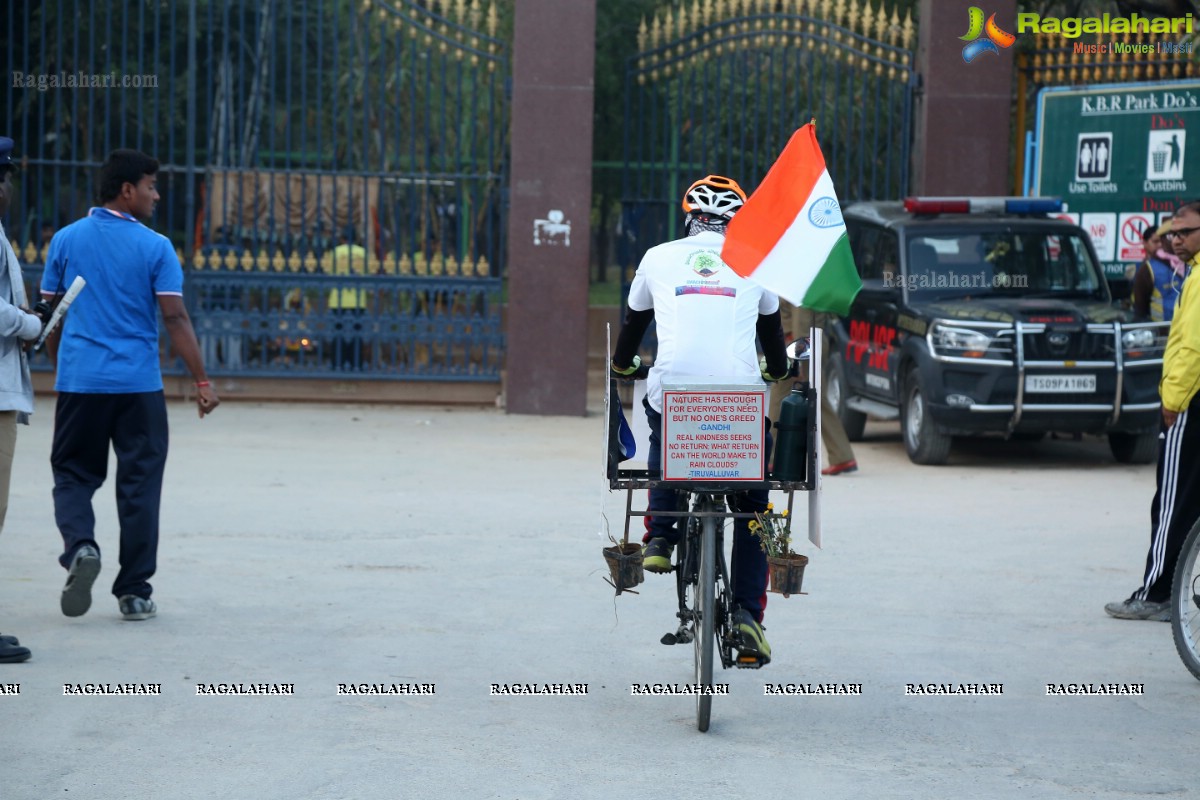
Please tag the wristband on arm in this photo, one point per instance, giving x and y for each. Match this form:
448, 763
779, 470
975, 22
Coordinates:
627, 371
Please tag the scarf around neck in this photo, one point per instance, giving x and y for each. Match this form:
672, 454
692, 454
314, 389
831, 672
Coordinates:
1175, 262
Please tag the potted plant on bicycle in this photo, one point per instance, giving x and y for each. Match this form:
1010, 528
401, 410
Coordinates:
624, 561
786, 568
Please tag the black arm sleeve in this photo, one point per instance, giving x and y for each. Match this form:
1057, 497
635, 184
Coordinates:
770, 336
634, 328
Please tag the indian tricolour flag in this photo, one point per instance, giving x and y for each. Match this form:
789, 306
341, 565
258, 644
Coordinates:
790, 238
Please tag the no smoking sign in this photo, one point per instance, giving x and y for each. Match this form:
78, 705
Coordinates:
1131, 227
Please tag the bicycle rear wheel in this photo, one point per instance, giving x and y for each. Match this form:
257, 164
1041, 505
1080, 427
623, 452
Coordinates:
1185, 602
706, 584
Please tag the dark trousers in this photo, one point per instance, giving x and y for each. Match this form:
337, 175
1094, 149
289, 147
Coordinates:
136, 426
748, 569
1176, 504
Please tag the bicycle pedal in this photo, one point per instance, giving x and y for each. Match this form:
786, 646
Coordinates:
669, 638
749, 661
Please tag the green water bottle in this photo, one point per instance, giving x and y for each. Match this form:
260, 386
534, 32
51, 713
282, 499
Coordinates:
791, 436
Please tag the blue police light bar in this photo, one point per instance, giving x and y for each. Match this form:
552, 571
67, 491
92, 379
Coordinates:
1033, 205
983, 205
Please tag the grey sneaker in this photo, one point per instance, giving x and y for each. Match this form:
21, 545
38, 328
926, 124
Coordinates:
1139, 609
77, 593
135, 608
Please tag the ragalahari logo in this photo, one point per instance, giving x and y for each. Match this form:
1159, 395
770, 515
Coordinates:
995, 37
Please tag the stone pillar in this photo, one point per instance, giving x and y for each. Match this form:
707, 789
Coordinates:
963, 112
549, 232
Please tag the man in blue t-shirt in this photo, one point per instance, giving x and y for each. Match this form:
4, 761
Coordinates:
109, 383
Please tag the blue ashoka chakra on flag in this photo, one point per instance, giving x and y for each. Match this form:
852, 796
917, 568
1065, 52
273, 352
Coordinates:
825, 212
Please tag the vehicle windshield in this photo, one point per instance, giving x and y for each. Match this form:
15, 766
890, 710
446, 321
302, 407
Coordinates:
1003, 262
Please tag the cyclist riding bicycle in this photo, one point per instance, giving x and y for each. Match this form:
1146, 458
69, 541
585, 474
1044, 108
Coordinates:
707, 318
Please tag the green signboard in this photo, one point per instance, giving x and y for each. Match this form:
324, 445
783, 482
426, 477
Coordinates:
1118, 157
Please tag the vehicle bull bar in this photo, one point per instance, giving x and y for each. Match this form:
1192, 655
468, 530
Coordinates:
1020, 330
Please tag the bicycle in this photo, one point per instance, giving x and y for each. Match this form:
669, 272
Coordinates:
1185, 602
703, 589
706, 600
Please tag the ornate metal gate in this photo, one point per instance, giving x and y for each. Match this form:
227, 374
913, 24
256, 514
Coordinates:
719, 85
332, 175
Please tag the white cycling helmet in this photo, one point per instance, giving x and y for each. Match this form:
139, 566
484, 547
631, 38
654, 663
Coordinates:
714, 196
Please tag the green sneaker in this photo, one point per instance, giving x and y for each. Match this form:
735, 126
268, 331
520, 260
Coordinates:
752, 642
656, 555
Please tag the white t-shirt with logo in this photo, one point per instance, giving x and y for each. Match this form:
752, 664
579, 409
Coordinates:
705, 312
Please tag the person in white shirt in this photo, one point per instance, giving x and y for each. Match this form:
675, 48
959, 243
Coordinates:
708, 318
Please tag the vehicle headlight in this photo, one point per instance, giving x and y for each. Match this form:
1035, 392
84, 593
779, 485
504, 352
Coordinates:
961, 341
1138, 339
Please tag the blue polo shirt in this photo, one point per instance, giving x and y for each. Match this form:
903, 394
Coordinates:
109, 339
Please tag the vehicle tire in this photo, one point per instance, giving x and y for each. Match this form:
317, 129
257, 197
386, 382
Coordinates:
835, 392
1185, 602
706, 613
924, 443
1134, 448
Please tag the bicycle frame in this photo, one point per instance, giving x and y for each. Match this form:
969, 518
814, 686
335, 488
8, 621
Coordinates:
687, 578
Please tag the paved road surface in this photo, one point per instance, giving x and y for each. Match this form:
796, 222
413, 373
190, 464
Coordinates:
318, 545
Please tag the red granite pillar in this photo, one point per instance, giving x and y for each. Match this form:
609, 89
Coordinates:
551, 193
963, 111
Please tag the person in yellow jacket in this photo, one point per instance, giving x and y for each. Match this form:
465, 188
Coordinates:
347, 301
1176, 504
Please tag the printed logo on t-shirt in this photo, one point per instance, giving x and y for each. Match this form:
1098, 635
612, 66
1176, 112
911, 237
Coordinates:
704, 262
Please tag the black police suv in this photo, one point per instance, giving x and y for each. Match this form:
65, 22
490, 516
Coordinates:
989, 315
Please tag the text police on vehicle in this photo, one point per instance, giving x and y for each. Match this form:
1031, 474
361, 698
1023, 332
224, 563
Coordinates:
986, 315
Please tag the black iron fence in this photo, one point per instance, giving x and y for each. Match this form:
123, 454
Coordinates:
713, 94
306, 146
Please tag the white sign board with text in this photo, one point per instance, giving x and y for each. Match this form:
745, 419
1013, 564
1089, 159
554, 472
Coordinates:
713, 431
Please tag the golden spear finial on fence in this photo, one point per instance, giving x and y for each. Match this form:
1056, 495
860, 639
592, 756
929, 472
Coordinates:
851, 21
